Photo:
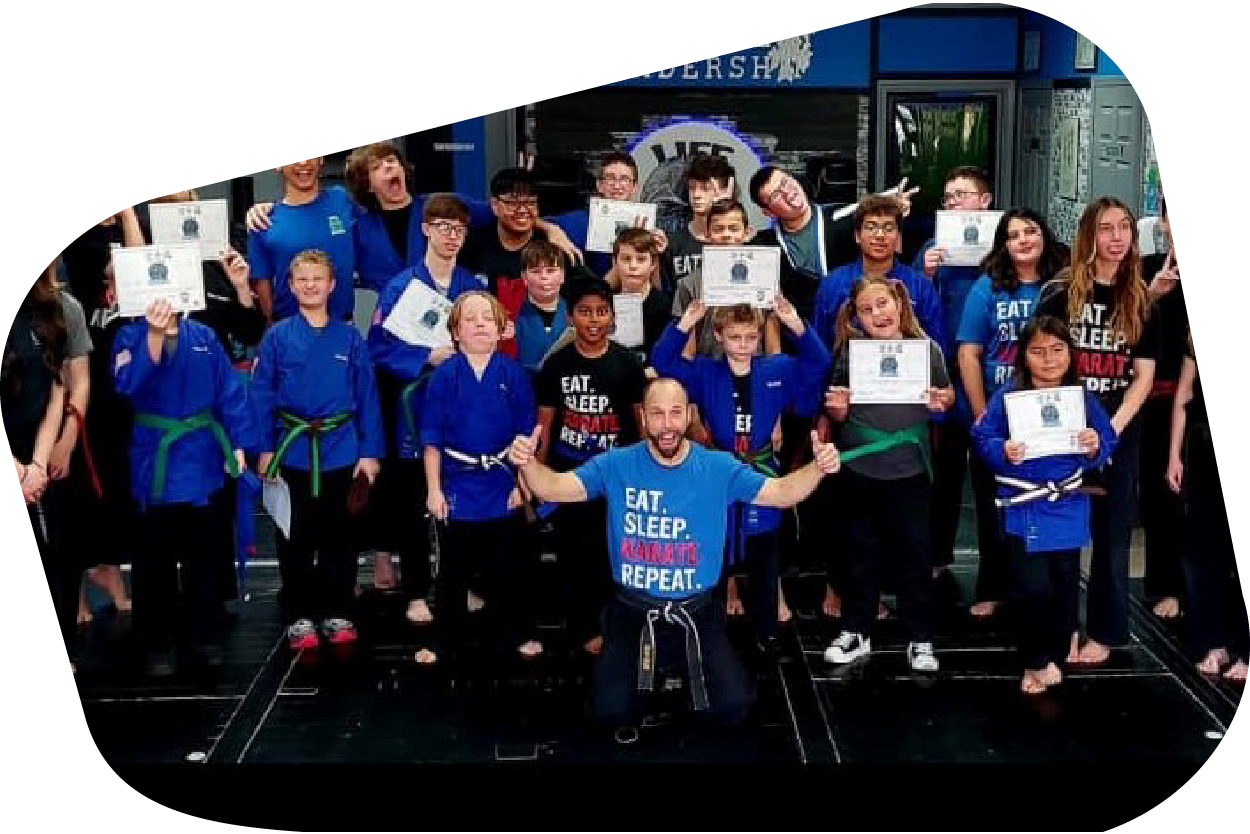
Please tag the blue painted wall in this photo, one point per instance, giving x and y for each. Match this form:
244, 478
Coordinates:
1059, 51
955, 44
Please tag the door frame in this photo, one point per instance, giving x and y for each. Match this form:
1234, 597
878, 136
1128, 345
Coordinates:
1004, 90
1029, 87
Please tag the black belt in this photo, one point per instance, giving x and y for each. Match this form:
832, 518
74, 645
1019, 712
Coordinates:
677, 612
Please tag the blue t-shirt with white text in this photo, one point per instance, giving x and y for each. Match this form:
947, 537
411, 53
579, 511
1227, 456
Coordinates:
993, 319
666, 524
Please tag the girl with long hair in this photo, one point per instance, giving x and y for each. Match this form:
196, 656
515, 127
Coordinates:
1105, 302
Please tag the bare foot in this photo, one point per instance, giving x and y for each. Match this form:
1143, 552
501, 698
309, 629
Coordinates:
383, 571
1051, 675
733, 603
1168, 608
883, 611
109, 579
1031, 683
594, 645
530, 648
425, 657
783, 610
1093, 653
475, 603
832, 606
1074, 649
1236, 673
984, 609
1215, 660
419, 612
84, 611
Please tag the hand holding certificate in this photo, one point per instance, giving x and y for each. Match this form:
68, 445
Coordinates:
1047, 421
420, 317
608, 217
627, 307
143, 274
889, 371
966, 236
741, 275
203, 224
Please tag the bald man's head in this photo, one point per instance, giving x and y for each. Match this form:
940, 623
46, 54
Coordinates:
666, 412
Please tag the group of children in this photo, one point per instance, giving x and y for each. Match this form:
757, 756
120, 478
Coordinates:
372, 434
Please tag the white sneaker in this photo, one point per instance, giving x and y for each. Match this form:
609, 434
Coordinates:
849, 646
921, 658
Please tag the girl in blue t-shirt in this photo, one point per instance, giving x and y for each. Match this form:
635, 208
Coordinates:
1045, 519
477, 401
1025, 255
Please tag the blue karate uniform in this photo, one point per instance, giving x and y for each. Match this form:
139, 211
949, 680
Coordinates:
327, 223
835, 288
465, 416
317, 374
378, 263
197, 378
532, 338
953, 285
778, 383
407, 363
1044, 525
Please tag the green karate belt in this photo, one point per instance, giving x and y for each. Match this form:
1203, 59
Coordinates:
405, 399
761, 460
879, 441
295, 426
174, 430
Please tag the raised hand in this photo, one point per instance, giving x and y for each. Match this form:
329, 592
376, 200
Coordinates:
236, 268
825, 455
837, 398
1014, 450
257, 219
159, 315
933, 259
523, 448
694, 312
788, 315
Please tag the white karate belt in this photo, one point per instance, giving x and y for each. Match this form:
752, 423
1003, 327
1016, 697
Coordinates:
1031, 491
484, 462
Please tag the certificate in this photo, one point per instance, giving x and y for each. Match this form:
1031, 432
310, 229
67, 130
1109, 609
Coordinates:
203, 223
608, 217
889, 371
967, 236
741, 275
628, 310
420, 317
1047, 420
144, 274
276, 498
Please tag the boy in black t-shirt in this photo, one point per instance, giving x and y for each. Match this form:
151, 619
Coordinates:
708, 179
589, 401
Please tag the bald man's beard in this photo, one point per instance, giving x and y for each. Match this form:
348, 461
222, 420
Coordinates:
666, 454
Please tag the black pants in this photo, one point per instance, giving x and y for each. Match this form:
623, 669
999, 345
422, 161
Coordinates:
761, 567
950, 464
887, 523
581, 542
992, 570
823, 517
227, 573
318, 562
1111, 528
398, 522
1216, 614
1044, 590
61, 569
1162, 511
170, 534
497, 555
615, 699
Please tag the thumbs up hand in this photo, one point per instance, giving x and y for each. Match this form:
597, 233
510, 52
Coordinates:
826, 455
522, 450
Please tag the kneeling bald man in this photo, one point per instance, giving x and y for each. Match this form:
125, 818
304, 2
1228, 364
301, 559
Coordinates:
668, 501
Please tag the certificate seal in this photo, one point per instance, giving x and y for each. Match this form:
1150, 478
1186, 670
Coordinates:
1050, 416
158, 273
191, 228
738, 273
430, 319
889, 366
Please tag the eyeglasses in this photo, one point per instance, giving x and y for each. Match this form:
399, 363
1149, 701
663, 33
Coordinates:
959, 196
447, 229
878, 229
786, 187
514, 204
616, 179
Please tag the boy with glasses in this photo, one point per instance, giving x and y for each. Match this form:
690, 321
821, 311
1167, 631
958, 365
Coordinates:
617, 180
